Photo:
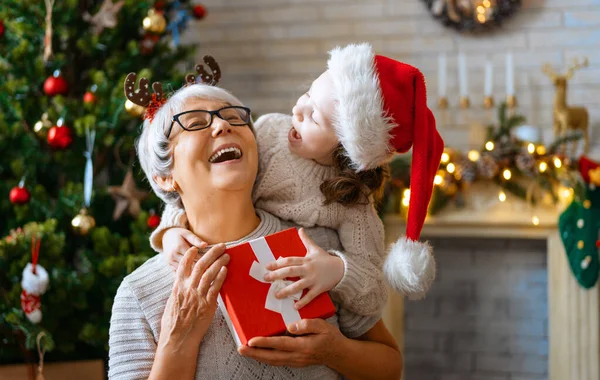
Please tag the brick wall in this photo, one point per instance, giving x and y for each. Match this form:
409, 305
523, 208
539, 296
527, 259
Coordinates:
271, 50
486, 316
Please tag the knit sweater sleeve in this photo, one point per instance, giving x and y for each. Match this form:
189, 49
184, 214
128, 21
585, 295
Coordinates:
131, 348
362, 289
173, 216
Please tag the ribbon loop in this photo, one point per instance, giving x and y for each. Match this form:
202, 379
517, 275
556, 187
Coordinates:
284, 306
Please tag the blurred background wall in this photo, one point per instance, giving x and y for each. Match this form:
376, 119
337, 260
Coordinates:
271, 50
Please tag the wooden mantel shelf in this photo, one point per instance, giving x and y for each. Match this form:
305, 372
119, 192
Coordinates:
510, 221
573, 312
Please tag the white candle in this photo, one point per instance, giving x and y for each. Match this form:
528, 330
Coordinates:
462, 75
488, 79
442, 75
510, 75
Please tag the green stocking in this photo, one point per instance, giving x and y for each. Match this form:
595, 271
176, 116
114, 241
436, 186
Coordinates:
579, 225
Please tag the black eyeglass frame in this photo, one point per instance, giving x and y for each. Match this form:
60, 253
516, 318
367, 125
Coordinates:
175, 118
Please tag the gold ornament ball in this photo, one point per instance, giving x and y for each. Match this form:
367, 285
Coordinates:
154, 22
134, 109
42, 126
83, 223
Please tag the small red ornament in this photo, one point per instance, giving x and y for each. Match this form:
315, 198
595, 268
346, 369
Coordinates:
159, 5
19, 195
199, 12
148, 43
597, 243
89, 98
1, 29
56, 85
153, 221
60, 136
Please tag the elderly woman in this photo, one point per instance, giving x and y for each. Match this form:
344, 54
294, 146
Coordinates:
200, 150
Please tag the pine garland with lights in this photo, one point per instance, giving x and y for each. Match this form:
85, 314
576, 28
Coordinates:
60, 86
526, 170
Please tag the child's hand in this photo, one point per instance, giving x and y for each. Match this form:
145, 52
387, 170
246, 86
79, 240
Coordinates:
176, 242
318, 271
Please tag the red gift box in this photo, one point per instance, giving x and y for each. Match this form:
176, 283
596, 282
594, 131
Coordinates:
248, 302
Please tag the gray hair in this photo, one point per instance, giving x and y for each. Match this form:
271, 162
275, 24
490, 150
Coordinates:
153, 148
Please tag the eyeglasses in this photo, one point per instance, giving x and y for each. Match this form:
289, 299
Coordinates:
197, 120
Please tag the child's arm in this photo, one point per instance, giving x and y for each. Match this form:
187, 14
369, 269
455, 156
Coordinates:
362, 290
171, 237
359, 286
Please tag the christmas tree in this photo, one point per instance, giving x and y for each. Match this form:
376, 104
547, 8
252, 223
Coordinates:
71, 195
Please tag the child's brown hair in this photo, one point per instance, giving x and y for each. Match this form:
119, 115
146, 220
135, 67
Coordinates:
350, 187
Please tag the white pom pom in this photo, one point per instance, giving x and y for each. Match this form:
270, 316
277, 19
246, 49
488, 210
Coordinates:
35, 284
35, 316
410, 267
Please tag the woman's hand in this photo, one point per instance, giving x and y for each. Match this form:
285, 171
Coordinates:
316, 343
193, 301
318, 271
176, 242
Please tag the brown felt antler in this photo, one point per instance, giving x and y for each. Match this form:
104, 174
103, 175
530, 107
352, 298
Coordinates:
205, 77
141, 96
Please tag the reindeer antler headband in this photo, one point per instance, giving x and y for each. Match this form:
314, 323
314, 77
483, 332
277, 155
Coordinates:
153, 102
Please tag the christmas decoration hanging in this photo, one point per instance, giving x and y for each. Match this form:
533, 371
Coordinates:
42, 126
155, 22
34, 284
48, 35
179, 21
1, 29
60, 136
83, 223
199, 12
579, 227
19, 195
106, 16
127, 196
148, 43
89, 98
56, 85
153, 220
134, 109
41, 351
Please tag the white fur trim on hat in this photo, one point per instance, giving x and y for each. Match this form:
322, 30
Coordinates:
410, 267
35, 316
35, 284
360, 122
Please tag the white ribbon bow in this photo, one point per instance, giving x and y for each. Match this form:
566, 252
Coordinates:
284, 306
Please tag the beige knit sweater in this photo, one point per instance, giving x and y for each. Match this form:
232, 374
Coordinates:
287, 186
141, 300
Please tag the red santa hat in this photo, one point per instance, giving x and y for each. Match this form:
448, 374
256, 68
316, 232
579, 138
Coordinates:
381, 109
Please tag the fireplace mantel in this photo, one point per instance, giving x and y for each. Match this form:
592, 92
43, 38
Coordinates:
573, 312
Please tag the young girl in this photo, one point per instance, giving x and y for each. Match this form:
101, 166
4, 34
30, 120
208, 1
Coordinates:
325, 164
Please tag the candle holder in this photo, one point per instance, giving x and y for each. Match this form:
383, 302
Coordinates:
443, 103
511, 101
488, 102
465, 102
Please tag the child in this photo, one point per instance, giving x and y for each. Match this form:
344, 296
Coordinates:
324, 165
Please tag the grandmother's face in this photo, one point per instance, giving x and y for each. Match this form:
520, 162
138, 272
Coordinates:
209, 160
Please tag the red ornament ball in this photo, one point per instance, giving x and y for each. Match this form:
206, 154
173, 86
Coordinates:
153, 221
199, 12
148, 43
56, 85
89, 98
60, 137
19, 195
597, 243
1, 29
159, 5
